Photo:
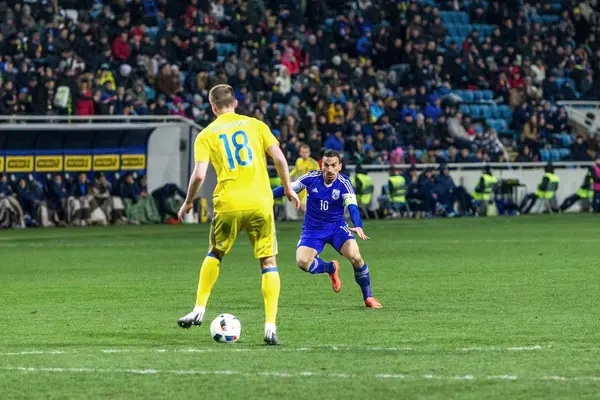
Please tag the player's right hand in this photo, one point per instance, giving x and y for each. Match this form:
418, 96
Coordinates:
292, 196
361, 234
185, 208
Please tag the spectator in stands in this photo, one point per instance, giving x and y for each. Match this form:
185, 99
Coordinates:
580, 150
11, 214
57, 199
27, 200
426, 191
111, 205
444, 188
596, 184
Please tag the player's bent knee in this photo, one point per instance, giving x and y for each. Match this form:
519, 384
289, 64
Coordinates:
356, 260
268, 262
304, 263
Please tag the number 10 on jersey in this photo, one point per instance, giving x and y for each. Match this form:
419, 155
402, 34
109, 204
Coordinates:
239, 141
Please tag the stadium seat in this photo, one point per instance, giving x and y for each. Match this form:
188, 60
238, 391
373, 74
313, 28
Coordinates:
465, 109
567, 139
486, 112
467, 96
152, 32
150, 93
495, 111
419, 154
561, 81
565, 154
545, 155
505, 112
554, 155
476, 111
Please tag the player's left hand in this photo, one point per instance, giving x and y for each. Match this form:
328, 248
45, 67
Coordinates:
185, 208
360, 233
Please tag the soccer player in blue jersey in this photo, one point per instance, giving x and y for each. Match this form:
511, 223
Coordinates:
329, 192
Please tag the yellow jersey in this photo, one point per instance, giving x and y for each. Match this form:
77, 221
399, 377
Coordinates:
304, 166
236, 147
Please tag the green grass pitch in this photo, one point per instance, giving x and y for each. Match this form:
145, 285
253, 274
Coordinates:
473, 308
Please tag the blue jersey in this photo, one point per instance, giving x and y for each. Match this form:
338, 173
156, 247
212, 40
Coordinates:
326, 203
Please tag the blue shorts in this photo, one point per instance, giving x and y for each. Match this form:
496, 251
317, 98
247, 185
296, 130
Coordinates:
317, 239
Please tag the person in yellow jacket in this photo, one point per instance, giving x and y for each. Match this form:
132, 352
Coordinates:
585, 192
546, 190
304, 165
393, 193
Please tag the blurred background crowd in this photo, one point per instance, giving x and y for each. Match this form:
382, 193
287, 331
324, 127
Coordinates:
383, 81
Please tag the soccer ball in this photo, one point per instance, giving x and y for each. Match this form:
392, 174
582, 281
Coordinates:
225, 329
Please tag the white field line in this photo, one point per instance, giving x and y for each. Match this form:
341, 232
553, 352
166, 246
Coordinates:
34, 352
293, 374
324, 348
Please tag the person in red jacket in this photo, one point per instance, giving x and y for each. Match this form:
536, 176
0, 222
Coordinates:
120, 47
85, 104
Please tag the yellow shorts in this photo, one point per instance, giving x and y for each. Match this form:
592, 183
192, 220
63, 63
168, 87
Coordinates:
258, 224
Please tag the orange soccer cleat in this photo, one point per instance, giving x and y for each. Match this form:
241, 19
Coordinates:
334, 277
372, 302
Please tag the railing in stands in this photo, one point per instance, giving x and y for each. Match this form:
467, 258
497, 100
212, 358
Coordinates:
585, 115
479, 166
85, 119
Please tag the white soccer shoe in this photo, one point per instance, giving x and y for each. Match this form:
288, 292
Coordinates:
192, 319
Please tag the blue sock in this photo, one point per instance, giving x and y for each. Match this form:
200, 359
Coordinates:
362, 277
319, 266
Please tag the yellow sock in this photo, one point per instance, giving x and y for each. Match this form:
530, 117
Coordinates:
209, 272
270, 290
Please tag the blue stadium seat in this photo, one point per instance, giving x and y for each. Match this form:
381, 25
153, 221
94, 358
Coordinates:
561, 81
467, 96
465, 109
565, 154
496, 114
488, 95
486, 112
150, 93
506, 112
419, 154
225, 49
476, 111
152, 33
554, 155
545, 155
478, 95
567, 139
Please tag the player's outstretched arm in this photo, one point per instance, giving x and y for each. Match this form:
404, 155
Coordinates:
196, 180
284, 173
279, 191
356, 220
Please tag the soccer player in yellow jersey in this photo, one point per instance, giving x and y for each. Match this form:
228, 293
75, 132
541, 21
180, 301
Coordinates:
243, 200
303, 166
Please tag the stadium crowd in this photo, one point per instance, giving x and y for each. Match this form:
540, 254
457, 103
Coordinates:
383, 81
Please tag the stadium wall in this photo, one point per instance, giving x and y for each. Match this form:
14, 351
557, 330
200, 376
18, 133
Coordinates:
39, 146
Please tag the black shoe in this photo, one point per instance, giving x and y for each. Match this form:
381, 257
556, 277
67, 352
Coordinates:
271, 339
192, 319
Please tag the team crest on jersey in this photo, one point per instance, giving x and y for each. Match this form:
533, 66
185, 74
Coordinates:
335, 194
